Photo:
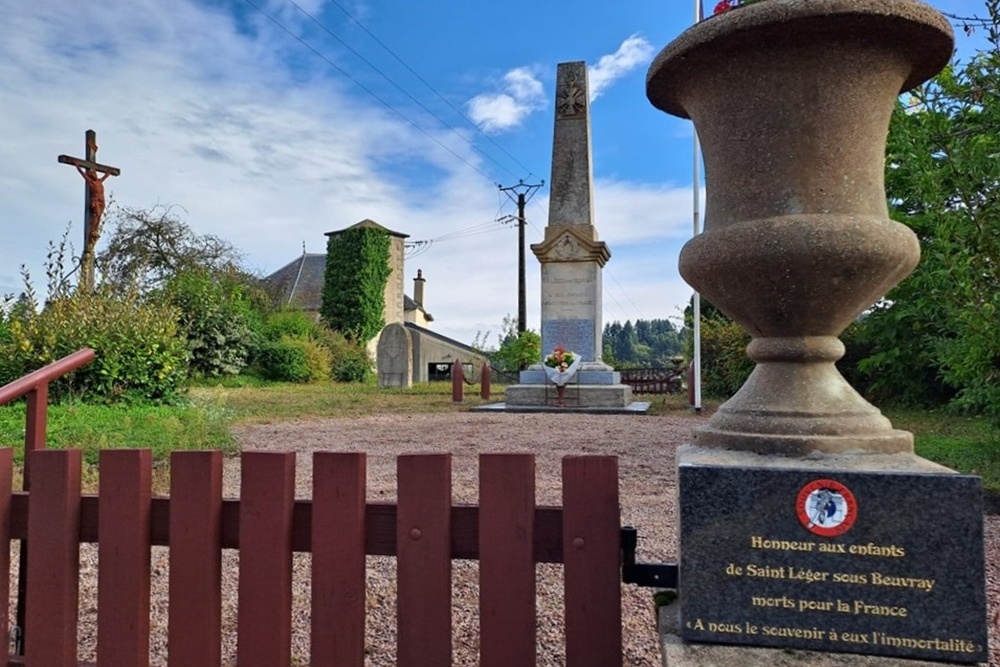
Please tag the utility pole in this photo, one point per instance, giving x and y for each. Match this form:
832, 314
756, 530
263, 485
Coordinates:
524, 192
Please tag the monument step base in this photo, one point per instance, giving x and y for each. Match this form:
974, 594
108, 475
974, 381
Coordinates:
633, 408
576, 395
678, 653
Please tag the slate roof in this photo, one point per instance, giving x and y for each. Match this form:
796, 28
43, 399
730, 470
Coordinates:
300, 282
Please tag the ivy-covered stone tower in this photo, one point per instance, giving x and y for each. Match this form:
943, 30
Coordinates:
392, 307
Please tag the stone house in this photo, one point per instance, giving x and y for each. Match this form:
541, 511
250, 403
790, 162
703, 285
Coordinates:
299, 284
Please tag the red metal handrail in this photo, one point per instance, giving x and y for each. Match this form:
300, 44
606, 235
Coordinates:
35, 386
45, 375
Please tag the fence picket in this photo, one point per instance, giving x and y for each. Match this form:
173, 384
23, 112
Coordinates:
123, 552
6, 477
267, 496
423, 552
506, 532
506, 562
338, 560
592, 559
195, 621
54, 559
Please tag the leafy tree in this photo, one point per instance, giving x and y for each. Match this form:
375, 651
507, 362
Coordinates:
518, 350
624, 346
147, 247
725, 365
357, 269
649, 343
935, 337
220, 315
141, 355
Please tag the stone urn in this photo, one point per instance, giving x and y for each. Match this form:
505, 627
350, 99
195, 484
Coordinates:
791, 100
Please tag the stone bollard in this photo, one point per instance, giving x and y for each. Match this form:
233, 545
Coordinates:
484, 381
457, 381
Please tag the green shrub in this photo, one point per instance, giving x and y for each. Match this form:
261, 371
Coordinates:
856, 349
318, 359
294, 324
724, 363
518, 350
220, 317
283, 360
294, 360
342, 359
350, 361
140, 353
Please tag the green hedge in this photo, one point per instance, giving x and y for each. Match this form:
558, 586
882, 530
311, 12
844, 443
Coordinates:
140, 352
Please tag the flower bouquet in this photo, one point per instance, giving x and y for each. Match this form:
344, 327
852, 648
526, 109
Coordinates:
726, 5
560, 366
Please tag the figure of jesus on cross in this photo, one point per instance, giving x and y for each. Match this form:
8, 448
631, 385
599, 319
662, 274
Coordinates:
94, 174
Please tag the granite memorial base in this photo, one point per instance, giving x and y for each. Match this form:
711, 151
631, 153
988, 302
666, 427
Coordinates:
871, 554
595, 385
679, 653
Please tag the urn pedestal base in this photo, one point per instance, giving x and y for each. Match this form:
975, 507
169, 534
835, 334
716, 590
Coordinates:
791, 101
796, 402
794, 283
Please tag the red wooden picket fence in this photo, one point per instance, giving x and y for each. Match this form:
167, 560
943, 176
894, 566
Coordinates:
507, 533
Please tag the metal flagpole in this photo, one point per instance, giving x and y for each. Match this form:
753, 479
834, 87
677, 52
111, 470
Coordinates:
696, 298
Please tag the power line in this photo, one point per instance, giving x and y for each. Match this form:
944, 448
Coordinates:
611, 275
615, 301
475, 230
432, 89
402, 90
366, 89
627, 295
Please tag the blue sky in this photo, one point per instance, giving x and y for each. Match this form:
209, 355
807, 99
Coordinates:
263, 123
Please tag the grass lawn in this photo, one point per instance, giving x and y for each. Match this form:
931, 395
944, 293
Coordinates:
966, 444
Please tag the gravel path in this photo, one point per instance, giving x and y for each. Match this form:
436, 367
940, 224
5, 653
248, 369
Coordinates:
645, 447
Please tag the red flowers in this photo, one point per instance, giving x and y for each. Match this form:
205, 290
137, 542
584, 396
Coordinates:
726, 5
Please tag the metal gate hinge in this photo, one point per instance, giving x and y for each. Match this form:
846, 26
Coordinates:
654, 575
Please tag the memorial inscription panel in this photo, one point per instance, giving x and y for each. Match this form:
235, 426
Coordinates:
874, 563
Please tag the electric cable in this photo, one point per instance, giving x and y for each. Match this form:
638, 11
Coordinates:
367, 90
400, 88
432, 89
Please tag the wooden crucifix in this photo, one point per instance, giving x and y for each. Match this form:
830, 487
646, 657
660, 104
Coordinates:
94, 174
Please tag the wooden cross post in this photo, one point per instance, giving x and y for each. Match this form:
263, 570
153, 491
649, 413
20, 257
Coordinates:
94, 174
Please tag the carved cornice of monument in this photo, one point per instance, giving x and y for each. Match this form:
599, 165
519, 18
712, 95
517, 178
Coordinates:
571, 243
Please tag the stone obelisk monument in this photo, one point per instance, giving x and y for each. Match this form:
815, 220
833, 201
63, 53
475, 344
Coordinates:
572, 258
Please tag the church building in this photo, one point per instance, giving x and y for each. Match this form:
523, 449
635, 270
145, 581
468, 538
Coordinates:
299, 284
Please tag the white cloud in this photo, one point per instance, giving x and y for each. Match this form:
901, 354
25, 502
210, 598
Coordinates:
496, 112
635, 213
204, 112
522, 92
633, 52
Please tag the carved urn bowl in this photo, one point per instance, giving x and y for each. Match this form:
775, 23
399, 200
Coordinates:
791, 100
